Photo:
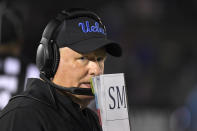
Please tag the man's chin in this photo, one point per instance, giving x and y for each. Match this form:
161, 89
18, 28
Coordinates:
85, 98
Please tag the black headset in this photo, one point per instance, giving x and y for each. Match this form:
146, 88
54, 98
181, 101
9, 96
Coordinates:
48, 56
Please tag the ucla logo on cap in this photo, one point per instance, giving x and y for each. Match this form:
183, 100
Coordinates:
85, 27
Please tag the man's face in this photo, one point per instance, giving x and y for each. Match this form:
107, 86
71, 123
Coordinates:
75, 69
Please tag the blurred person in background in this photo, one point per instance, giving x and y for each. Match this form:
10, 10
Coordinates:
14, 66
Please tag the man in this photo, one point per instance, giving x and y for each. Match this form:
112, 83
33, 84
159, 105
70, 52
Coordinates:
73, 49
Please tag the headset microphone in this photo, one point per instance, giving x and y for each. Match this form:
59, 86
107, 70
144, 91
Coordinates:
72, 90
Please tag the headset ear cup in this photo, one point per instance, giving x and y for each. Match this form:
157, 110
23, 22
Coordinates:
56, 57
41, 58
44, 60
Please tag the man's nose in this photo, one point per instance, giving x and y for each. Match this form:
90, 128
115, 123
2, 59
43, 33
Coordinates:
95, 68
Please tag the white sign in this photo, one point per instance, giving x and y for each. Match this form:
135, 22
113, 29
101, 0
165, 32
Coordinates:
111, 99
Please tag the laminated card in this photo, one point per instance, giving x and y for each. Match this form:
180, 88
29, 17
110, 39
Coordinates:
111, 101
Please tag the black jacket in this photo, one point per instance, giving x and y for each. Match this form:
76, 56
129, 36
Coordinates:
42, 108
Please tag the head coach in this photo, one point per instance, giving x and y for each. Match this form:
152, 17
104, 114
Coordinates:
73, 49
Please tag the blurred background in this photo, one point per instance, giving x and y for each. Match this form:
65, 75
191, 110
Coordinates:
159, 61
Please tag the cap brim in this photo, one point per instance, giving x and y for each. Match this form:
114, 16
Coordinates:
92, 44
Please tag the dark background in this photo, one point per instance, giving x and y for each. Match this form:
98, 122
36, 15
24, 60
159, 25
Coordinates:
157, 36
158, 39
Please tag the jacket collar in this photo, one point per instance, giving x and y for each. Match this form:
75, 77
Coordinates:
40, 91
